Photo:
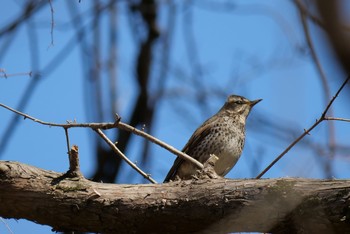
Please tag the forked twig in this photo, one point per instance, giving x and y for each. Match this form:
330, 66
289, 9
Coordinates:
117, 124
306, 131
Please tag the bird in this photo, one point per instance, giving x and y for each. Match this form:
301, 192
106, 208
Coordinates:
223, 135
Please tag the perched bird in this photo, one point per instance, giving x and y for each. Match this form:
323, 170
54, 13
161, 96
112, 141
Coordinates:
223, 135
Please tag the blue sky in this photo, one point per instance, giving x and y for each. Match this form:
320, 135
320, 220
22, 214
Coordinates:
255, 49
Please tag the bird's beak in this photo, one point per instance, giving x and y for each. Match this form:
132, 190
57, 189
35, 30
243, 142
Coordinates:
252, 103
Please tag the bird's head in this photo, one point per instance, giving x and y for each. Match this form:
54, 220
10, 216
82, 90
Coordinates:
239, 105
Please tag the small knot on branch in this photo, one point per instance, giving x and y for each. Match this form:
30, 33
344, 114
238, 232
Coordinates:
74, 168
117, 118
208, 171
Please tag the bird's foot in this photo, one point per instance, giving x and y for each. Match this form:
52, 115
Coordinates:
208, 171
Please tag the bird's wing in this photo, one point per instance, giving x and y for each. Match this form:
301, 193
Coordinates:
199, 135
195, 139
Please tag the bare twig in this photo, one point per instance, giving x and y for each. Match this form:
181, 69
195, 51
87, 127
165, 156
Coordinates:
52, 21
303, 10
116, 124
3, 74
67, 139
117, 151
112, 60
94, 126
306, 131
326, 89
127, 127
337, 119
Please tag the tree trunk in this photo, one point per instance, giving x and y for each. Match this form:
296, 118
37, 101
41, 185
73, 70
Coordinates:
290, 205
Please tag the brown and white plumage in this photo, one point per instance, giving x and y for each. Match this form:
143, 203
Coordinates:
223, 135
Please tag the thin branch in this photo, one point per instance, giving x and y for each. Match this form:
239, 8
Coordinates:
117, 124
334, 97
67, 139
52, 21
337, 119
112, 59
326, 89
96, 127
127, 127
303, 10
117, 151
3, 74
306, 131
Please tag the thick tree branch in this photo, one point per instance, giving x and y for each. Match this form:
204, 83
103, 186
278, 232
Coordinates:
213, 206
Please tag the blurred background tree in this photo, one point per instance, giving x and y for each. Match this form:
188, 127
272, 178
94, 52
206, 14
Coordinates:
165, 67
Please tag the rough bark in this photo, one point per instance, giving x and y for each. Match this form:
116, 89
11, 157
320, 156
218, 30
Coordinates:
207, 206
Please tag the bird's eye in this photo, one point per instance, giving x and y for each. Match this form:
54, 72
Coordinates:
239, 102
